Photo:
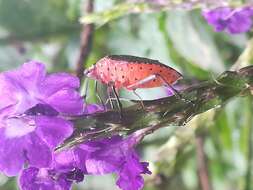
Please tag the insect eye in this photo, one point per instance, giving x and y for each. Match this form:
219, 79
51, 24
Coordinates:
86, 72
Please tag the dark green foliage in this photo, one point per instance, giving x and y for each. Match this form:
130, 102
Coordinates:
49, 31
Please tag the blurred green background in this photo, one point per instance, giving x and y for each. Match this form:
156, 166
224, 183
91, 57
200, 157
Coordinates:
49, 31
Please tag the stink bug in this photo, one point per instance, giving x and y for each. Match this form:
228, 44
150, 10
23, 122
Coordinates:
131, 72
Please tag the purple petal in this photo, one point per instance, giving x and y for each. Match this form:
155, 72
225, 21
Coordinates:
66, 101
29, 85
106, 155
58, 81
100, 166
19, 144
129, 175
53, 130
69, 159
42, 179
92, 108
22, 140
241, 21
217, 17
7, 93
65, 160
18, 127
97, 157
11, 154
21, 84
37, 151
29, 76
232, 20
25, 136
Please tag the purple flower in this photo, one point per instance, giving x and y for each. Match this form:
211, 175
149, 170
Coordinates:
93, 108
44, 179
129, 174
233, 21
111, 155
32, 109
158, 2
177, 87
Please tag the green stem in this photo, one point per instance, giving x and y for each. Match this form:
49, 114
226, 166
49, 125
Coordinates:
165, 111
248, 180
127, 8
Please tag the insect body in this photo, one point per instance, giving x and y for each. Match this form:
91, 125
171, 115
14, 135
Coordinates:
130, 72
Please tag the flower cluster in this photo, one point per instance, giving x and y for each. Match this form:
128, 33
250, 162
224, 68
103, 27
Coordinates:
231, 20
112, 155
34, 111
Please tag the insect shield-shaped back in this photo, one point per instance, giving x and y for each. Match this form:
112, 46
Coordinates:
132, 72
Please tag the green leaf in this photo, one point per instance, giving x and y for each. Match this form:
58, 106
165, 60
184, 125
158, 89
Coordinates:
115, 12
31, 19
193, 41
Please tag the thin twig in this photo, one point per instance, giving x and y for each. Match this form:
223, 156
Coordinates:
202, 164
86, 42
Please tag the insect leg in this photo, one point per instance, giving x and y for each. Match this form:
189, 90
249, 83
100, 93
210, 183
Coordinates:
121, 99
97, 94
117, 98
86, 90
135, 93
152, 77
109, 96
176, 93
86, 94
141, 82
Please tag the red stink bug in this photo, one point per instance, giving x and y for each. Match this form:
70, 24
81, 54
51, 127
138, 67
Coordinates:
131, 72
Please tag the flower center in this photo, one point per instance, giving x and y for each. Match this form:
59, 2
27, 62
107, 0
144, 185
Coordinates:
18, 127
